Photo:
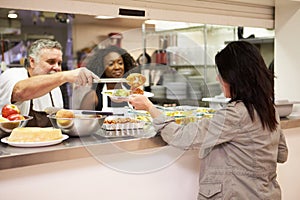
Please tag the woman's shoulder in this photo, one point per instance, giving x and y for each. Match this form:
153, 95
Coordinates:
238, 106
234, 110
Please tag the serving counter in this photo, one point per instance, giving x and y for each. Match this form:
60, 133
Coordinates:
72, 148
89, 146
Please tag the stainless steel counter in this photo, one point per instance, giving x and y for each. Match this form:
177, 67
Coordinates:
74, 148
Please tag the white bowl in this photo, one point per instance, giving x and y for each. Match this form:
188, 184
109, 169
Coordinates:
284, 107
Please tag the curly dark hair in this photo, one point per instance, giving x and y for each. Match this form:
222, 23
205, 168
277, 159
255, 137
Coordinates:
241, 65
95, 62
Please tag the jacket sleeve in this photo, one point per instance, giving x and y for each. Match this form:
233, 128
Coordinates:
282, 149
204, 134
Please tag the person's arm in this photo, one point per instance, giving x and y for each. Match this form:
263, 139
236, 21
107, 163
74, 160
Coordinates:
37, 86
141, 102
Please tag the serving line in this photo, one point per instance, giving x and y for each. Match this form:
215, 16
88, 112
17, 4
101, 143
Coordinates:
72, 148
75, 148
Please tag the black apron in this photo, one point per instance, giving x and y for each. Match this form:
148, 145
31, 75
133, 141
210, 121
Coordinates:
40, 118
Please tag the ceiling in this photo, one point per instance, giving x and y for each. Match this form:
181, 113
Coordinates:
28, 18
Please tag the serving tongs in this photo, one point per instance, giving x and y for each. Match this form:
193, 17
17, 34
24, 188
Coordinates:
111, 80
54, 110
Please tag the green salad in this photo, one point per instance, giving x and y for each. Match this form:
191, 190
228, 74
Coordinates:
122, 93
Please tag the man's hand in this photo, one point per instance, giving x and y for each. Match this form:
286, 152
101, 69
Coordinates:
81, 76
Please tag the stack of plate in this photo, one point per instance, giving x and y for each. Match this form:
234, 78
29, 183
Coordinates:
186, 71
159, 91
176, 90
195, 87
194, 94
214, 89
168, 78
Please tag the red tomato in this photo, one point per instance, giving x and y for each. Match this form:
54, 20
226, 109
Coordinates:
9, 109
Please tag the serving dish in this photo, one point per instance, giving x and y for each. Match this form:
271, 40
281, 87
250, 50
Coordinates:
84, 124
122, 123
34, 144
122, 133
111, 93
285, 107
7, 127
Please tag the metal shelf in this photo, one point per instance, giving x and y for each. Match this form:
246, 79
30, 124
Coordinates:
256, 40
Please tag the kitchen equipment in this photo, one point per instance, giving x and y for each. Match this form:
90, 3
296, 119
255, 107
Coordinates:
214, 88
161, 56
285, 107
111, 80
144, 58
196, 87
115, 39
85, 122
159, 91
7, 127
176, 90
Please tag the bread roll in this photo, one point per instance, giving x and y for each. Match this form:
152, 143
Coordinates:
63, 113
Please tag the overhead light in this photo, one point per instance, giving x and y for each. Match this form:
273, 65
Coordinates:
167, 25
104, 17
42, 17
12, 14
64, 17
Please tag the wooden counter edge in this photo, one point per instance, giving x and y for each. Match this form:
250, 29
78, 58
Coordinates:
287, 123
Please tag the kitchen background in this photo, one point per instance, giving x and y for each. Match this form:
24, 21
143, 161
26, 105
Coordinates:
285, 17
178, 52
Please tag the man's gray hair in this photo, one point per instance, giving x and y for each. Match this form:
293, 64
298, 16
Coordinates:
36, 47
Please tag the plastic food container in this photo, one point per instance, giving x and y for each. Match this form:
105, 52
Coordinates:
122, 123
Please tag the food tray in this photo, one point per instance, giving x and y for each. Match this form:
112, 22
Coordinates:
122, 133
122, 123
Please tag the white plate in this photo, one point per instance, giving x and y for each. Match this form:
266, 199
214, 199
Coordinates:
34, 144
111, 92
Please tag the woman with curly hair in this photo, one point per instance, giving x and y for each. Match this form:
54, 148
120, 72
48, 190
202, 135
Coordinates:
110, 62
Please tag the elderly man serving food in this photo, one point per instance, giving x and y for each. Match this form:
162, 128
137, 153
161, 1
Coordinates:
36, 86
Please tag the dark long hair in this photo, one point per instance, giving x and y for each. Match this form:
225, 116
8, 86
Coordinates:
241, 65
